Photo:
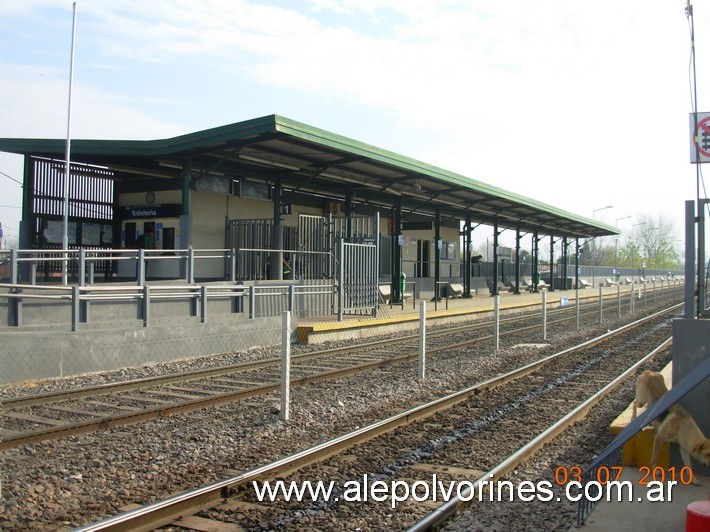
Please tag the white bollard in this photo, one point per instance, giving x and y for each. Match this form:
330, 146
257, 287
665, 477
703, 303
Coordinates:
496, 322
618, 299
285, 367
422, 339
544, 316
601, 306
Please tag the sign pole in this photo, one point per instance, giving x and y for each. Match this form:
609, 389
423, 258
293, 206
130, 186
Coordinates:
65, 225
700, 205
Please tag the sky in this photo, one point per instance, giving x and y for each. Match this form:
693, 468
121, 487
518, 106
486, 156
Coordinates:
580, 104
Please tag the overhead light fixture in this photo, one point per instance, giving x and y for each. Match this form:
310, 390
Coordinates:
269, 162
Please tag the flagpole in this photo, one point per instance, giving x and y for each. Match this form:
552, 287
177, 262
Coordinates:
65, 225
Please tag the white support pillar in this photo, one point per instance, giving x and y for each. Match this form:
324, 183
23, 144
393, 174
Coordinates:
284, 413
496, 322
601, 306
618, 299
544, 316
422, 339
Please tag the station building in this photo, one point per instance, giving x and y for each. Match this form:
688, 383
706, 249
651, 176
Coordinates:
272, 183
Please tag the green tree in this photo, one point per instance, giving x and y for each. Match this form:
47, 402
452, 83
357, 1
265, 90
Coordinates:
651, 240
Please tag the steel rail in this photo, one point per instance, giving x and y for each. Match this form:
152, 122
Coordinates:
118, 387
147, 414
164, 512
447, 510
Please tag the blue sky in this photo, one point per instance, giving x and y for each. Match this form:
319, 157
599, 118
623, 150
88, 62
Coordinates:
578, 104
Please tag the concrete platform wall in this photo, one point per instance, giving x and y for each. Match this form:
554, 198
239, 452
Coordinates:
48, 354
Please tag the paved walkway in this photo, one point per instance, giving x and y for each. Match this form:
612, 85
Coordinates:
642, 515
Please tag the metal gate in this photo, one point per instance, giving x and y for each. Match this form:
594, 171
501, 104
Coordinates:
357, 279
254, 234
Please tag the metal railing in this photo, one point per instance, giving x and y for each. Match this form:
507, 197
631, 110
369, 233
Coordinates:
27, 265
261, 301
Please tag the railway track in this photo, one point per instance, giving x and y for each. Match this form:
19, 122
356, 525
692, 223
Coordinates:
62, 413
460, 438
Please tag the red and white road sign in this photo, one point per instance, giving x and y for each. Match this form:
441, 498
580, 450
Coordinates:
700, 138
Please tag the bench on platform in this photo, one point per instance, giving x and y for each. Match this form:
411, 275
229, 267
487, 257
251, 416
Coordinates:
454, 290
385, 294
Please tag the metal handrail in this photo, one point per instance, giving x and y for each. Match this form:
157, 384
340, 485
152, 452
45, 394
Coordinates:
84, 295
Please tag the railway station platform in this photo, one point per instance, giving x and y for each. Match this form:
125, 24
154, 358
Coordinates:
405, 317
642, 515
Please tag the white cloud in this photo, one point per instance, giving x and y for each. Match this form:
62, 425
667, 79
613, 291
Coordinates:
568, 102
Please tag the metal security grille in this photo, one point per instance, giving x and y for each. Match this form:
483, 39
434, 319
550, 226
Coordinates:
255, 234
313, 236
358, 279
91, 208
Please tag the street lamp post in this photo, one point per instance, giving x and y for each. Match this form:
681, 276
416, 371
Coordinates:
616, 248
594, 248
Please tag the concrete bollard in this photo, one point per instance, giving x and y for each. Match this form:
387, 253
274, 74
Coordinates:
284, 413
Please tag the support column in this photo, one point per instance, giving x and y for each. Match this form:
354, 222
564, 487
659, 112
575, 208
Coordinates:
397, 255
348, 212
27, 223
186, 214
517, 260
576, 263
565, 251
552, 264
494, 288
535, 253
437, 255
277, 235
467, 257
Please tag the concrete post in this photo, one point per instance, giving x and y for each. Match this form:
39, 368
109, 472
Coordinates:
422, 339
81, 274
146, 305
284, 413
544, 316
140, 268
252, 302
601, 306
203, 304
496, 322
75, 310
190, 265
618, 299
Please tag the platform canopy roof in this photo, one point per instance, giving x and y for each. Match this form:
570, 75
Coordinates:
313, 161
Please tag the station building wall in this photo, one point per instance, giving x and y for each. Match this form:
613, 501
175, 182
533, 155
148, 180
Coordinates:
210, 212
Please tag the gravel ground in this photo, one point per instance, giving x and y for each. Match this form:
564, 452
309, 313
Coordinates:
80, 479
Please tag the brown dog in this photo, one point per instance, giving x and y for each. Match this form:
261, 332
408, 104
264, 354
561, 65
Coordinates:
650, 387
679, 426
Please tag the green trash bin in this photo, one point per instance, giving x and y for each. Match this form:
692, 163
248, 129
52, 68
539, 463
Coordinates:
403, 283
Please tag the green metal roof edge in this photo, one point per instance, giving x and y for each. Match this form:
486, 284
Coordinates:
279, 124
142, 148
333, 140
